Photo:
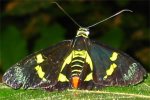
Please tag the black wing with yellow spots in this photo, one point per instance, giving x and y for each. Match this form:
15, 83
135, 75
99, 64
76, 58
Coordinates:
79, 63
114, 68
40, 69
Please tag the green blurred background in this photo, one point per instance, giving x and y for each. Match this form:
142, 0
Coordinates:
27, 26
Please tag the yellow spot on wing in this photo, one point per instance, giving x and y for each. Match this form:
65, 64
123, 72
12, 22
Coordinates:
110, 70
62, 78
89, 61
89, 77
39, 58
114, 56
40, 72
67, 61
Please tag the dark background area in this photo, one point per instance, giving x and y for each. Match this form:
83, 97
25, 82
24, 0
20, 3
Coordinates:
27, 26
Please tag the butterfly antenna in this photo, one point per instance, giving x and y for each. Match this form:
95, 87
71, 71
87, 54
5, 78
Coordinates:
66, 13
127, 10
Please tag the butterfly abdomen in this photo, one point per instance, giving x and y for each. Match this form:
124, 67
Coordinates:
76, 66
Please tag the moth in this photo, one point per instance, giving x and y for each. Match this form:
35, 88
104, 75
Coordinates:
79, 63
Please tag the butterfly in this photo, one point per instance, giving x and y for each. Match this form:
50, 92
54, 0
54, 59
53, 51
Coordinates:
79, 63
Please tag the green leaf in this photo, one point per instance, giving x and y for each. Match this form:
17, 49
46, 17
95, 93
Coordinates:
49, 36
140, 91
12, 47
114, 37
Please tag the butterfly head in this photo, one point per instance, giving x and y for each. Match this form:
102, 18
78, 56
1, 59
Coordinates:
84, 32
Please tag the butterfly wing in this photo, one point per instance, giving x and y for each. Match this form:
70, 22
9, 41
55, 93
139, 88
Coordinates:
114, 68
38, 70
